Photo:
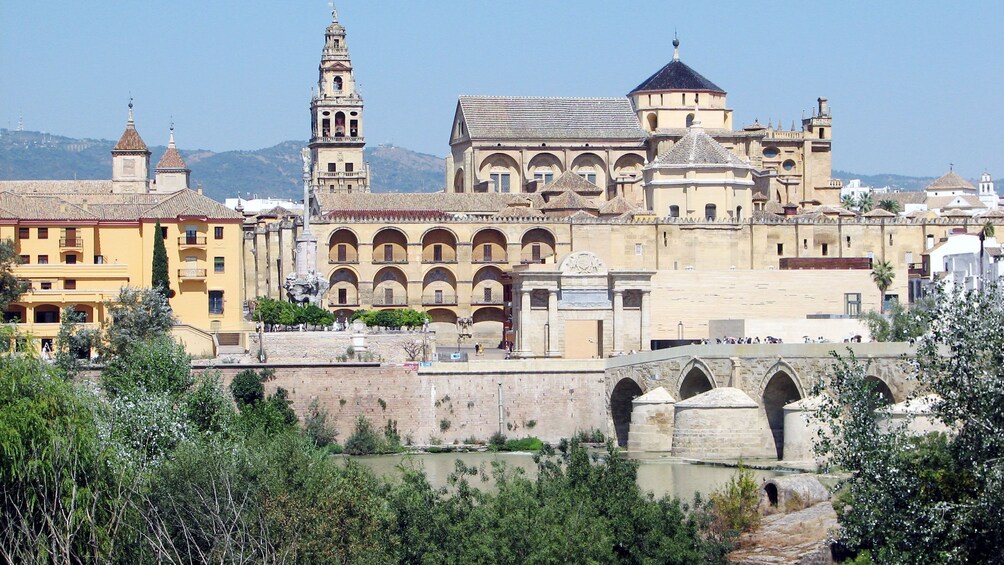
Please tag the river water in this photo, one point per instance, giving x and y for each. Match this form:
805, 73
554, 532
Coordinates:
657, 474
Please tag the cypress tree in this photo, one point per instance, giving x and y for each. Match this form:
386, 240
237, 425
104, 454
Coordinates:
161, 281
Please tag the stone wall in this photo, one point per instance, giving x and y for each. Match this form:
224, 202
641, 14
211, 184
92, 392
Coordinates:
548, 402
324, 347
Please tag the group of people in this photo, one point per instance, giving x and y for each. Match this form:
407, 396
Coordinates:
743, 340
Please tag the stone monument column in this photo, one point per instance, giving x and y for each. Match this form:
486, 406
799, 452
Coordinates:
552, 324
618, 323
524, 322
306, 243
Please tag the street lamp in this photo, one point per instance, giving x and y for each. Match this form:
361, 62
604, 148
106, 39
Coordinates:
679, 330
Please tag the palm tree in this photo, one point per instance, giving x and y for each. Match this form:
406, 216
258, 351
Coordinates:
882, 276
890, 205
865, 202
848, 201
986, 231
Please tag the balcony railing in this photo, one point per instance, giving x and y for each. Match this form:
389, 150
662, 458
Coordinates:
346, 304
342, 261
504, 258
71, 242
338, 140
396, 301
400, 261
440, 260
482, 301
191, 274
192, 240
439, 300
341, 174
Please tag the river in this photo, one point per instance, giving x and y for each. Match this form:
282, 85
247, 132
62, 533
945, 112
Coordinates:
656, 473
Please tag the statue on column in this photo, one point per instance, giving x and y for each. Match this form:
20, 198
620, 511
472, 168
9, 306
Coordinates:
305, 286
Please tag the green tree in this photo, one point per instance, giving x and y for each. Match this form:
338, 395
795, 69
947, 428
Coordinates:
11, 287
901, 323
934, 498
986, 231
247, 388
890, 205
883, 275
137, 315
161, 280
865, 202
73, 343
156, 365
849, 202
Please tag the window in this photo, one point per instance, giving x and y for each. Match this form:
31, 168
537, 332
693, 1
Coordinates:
338, 80
588, 174
439, 297
46, 285
500, 181
822, 133
191, 235
535, 252
852, 304
805, 244
674, 211
388, 296
739, 213
343, 295
43, 233
388, 252
638, 249
342, 252
437, 252
780, 249
826, 249
218, 265
848, 241
488, 295
99, 259
163, 232
71, 259
771, 152
332, 167
349, 167
788, 165
218, 232
43, 259
653, 122
543, 176
890, 239
690, 120
710, 212
23, 233
70, 284
487, 252
23, 259
216, 302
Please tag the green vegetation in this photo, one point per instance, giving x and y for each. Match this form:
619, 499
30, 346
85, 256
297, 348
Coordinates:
161, 280
900, 322
280, 313
883, 275
366, 440
393, 319
10, 286
933, 498
498, 442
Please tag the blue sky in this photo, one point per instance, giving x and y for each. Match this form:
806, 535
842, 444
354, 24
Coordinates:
912, 85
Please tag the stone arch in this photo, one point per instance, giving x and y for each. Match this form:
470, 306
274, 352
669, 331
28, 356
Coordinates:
442, 321
500, 163
653, 121
15, 312
695, 378
488, 245
390, 287
343, 246
536, 245
458, 181
487, 286
544, 163
883, 389
390, 245
781, 389
623, 393
628, 166
489, 323
439, 286
46, 314
585, 162
445, 239
343, 287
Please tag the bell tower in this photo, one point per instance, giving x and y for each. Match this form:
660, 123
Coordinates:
336, 113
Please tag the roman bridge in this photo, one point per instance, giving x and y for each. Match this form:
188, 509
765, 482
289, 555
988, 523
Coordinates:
702, 382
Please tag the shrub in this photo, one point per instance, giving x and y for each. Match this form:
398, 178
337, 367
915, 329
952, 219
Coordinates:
496, 441
247, 388
316, 425
734, 507
364, 439
593, 435
444, 425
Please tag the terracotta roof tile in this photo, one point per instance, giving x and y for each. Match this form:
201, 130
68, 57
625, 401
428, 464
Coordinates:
570, 201
469, 203
131, 141
522, 118
571, 181
616, 206
950, 181
171, 160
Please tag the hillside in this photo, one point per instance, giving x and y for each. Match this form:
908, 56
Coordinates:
900, 182
273, 171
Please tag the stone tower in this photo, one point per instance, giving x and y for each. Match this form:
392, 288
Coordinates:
988, 195
172, 174
336, 112
130, 161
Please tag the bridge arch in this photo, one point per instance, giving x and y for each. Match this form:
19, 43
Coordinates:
883, 389
695, 378
621, 396
781, 387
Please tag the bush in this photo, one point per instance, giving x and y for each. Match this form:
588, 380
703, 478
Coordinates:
247, 388
316, 426
734, 507
156, 365
498, 442
364, 439
593, 435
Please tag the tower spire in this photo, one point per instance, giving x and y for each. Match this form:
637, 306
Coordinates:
130, 122
676, 47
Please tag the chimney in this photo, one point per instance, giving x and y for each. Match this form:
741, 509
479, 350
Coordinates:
790, 209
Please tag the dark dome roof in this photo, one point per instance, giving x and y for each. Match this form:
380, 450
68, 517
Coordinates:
677, 76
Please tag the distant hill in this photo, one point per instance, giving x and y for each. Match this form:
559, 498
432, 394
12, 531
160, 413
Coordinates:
273, 171
901, 182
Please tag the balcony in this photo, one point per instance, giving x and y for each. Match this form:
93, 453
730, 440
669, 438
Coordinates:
396, 302
192, 241
401, 261
341, 175
492, 301
439, 300
191, 274
71, 242
440, 261
342, 140
494, 259
343, 261
347, 304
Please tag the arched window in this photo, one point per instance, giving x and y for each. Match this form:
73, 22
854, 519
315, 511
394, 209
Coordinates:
739, 213
674, 211
338, 84
710, 212
690, 120
653, 122
340, 124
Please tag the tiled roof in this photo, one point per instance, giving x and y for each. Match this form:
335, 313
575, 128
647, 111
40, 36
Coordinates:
904, 198
950, 181
878, 213
519, 212
965, 201
569, 200
998, 213
171, 160
699, 148
73, 205
479, 202
571, 181
277, 212
57, 186
416, 215
616, 206
677, 76
130, 140
523, 118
